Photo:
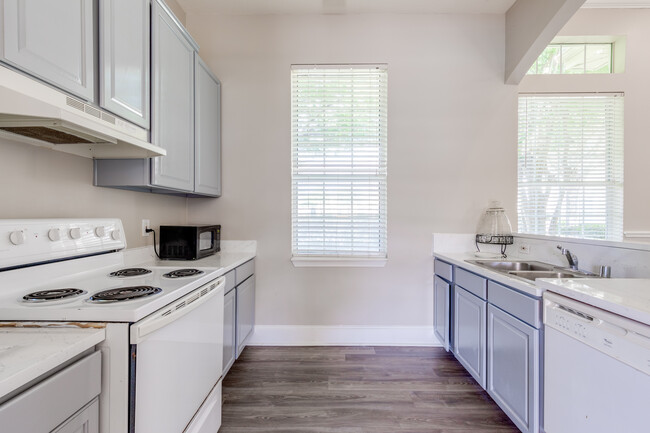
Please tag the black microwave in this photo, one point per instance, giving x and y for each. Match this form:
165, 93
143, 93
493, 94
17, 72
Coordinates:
189, 242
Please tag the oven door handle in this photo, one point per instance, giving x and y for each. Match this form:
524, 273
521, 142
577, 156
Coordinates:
176, 310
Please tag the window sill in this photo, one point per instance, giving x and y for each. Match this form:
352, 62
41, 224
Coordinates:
338, 262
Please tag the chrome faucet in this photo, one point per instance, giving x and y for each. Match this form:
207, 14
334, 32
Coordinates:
571, 258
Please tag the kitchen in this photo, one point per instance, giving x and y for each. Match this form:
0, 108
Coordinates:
452, 147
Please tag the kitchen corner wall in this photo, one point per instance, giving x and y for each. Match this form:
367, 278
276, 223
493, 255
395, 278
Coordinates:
451, 147
40, 183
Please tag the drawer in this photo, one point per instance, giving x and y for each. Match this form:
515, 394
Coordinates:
244, 271
521, 306
472, 283
79, 383
443, 270
230, 281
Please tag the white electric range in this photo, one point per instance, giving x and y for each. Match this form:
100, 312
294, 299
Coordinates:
161, 360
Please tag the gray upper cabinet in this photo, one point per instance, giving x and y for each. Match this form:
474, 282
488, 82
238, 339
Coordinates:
207, 94
514, 363
172, 101
185, 117
124, 59
52, 40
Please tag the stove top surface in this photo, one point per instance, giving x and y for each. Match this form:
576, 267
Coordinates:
109, 289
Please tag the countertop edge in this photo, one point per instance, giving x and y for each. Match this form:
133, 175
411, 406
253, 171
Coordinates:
40, 367
557, 286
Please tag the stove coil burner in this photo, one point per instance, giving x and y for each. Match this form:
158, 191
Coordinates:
52, 295
129, 272
124, 294
181, 273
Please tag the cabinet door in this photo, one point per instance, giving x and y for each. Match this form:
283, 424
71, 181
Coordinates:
469, 333
84, 421
124, 57
52, 40
207, 166
513, 376
245, 312
441, 292
173, 102
229, 331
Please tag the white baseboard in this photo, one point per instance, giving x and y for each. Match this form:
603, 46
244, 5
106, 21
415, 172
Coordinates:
268, 335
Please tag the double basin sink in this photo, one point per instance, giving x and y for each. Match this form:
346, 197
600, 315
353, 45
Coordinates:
530, 270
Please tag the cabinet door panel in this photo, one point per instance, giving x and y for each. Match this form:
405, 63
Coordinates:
229, 334
84, 421
469, 333
513, 360
173, 103
52, 40
125, 39
245, 312
441, 292
207, 176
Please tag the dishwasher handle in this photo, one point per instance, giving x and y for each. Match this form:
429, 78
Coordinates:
140, 330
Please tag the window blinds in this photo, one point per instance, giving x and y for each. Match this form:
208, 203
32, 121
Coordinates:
570, 165
338, 151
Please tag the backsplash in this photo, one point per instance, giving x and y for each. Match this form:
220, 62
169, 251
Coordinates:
627, 259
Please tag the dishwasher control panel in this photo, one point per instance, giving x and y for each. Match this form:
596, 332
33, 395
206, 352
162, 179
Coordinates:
618, 337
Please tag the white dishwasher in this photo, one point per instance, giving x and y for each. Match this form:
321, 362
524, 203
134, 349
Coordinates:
596, 370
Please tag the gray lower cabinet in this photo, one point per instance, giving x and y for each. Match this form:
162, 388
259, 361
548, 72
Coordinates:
172, 101
514, 368
124, 59
245, 312
469, 333
53, 41
442, 311
84, 421
79, 383
229, 329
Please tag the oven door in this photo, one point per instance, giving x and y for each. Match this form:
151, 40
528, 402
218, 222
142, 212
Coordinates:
176, 356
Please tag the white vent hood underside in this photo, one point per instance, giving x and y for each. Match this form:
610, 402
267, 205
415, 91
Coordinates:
49, 118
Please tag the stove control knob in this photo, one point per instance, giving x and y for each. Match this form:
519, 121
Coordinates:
75, 233
54, 235
116, 235
17, 237
100, 231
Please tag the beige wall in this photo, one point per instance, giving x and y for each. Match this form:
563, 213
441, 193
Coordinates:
634, 24
451, 148
41, 183
177, 9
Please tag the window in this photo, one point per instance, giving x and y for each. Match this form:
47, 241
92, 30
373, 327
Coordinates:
588, 58
338, 153
570, 165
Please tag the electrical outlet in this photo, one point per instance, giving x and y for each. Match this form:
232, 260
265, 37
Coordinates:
145, 225
524, 249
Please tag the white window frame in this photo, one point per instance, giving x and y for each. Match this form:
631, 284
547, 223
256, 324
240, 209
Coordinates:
612, 180
347, 247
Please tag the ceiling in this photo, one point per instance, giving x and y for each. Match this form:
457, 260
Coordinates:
264, 7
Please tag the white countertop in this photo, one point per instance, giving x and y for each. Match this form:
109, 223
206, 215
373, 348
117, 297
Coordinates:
27, 353
623, 296
459, 259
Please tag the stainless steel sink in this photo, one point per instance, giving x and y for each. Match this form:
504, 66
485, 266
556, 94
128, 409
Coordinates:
545, 274
508, 266
529, 270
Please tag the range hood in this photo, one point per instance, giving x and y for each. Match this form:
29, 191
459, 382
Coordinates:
35, 113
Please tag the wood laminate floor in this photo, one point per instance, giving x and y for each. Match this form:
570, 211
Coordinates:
355, 390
